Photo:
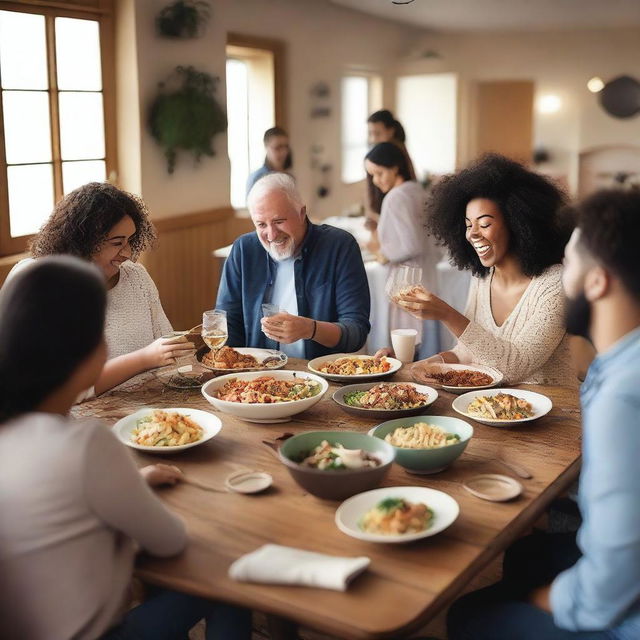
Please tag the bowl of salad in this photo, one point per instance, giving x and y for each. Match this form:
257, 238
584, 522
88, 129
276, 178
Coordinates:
336, 464
385, 400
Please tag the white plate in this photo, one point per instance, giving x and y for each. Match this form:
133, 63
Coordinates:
436, 367
266, 413
541, 405
445, 511
315, 364
259, 355
210, 424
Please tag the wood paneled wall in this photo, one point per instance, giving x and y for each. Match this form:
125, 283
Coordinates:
182, 265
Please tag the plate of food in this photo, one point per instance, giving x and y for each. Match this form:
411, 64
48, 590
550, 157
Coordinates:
272, 396
350, 367
240, 359
385, 400
503, 407
166, 430
456, 378
396, 514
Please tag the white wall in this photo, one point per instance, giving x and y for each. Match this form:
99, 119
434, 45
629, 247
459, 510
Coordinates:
559, 63
323, 42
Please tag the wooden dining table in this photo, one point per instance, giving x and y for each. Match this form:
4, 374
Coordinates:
406, 585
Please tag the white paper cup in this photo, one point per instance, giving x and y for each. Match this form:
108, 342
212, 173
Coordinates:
403, 342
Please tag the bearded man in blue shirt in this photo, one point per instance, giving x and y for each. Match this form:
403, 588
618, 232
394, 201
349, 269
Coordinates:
554, 586
313, 274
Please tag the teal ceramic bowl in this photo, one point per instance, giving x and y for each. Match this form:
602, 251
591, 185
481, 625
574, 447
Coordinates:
427, 460
333, 484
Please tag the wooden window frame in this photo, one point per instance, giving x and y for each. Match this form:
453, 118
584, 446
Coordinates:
278, 49
102, 12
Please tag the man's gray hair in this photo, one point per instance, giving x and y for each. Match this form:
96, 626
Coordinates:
276, 181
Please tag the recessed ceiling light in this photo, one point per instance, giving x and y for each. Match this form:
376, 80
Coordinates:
595, 84
549, 104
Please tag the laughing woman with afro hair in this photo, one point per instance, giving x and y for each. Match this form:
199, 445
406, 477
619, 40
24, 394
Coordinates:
505, 225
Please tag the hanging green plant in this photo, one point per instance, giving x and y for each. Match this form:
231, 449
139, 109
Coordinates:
183, 19
185, 114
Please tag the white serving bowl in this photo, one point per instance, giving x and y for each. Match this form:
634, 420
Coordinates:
266, 413
350, 512
541, 405
210, 424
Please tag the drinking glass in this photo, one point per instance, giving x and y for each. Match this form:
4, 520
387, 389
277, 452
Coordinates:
214, 328
269, 309
401, 280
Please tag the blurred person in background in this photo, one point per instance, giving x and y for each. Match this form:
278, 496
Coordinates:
278, 155
401, 236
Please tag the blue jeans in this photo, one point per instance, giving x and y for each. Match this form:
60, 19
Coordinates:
501, 611
169, 615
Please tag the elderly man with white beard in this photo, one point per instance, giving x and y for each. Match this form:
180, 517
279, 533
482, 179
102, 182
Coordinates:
313, 273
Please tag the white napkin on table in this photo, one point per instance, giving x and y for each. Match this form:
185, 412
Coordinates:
275, 564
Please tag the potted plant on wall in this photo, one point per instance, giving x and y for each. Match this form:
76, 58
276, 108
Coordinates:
186, 115
183, 19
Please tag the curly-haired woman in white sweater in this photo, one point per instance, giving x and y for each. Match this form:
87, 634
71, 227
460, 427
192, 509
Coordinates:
110, 228
504, 223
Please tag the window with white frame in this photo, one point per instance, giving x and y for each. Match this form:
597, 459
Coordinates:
52, 115
360, 96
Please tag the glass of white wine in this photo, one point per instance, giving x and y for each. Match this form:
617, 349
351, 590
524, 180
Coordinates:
402, 278
214, 328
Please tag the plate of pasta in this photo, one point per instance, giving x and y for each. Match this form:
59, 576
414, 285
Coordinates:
503, 407
456, 378
396, 514
272, 396
351, 367
167, 430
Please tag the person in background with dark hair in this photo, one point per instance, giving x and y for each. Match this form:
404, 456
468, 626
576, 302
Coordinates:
111, 228
278, 155
503, 223
401, 236
74, 506
383, 127
554, 586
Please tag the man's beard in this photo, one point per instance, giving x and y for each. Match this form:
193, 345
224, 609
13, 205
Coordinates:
578, 316
286, 250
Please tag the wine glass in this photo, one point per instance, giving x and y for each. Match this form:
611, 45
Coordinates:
401, 280
214, 328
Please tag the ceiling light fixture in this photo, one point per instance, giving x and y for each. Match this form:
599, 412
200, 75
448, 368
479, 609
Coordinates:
549, 104
595, 85
401, 1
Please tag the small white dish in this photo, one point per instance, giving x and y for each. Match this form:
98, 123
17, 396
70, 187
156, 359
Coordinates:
435, 367
263, 413
248, 481
350, 512
541, 405
315, 364
493, 487
210, 424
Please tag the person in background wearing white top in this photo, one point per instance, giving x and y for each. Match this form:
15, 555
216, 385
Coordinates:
75, 509
401, 236
111, 228
506, 225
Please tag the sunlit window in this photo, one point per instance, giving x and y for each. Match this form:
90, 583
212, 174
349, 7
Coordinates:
52, 114
360, 97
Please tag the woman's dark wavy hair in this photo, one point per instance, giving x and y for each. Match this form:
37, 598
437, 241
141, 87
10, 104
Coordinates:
81, 222
388, 154
273, 133
51, 319
531, 204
